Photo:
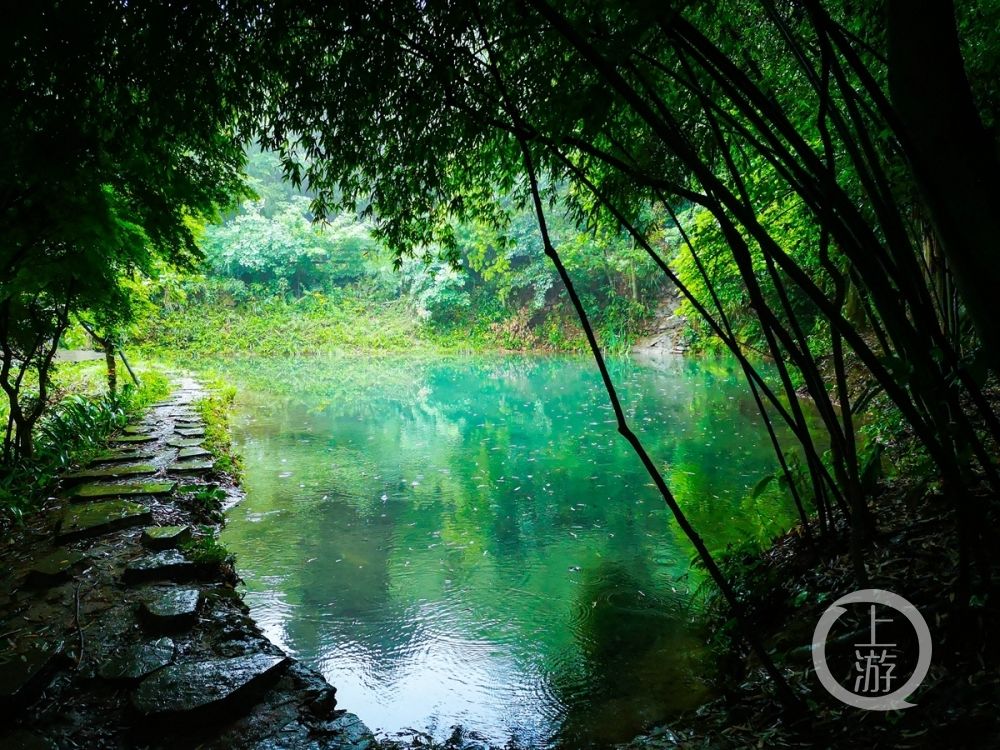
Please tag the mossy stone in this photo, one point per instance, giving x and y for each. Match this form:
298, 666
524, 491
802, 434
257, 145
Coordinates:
99, 490
53, 568
111, 472
165, 537
94, 519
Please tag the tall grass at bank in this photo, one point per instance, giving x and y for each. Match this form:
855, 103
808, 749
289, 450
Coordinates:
353, 319
215, 409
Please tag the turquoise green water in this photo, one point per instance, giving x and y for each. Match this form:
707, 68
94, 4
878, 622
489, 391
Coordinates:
468, 540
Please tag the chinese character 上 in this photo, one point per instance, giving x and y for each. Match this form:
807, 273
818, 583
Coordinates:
875, 666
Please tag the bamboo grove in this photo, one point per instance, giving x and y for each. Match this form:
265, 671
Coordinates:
728, 109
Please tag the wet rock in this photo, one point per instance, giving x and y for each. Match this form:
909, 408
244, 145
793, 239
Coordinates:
121, 456
165, 537
94, 519
169, 565
189, 422
137, 429
53, 568
99, 490
191, 466
196, 691
184, 442
190, 432
136, 662
131, 439
110, 472
173, 609
196, 452
24, 676
349, 733
25, 740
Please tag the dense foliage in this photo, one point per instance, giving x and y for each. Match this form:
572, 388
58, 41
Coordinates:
276, 280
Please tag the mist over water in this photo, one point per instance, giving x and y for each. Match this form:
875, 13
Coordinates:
469, 541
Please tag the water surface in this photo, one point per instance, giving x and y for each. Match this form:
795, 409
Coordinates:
468, 540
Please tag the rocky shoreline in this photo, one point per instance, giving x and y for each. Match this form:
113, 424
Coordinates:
120, 623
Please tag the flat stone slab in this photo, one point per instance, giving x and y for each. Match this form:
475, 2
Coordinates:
168, 565
173, 609
24, 676
137, 429
191, 466
165, 537
138, 661
94, 519
190, 432
131, 439
196, 452
184, 442
111, 472
121, 456
198, 690
55, 567
97, 491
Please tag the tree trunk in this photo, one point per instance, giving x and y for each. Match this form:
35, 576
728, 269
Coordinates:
109, 359
953, 158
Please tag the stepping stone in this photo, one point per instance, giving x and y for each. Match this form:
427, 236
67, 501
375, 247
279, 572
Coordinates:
98, 491
199, 690
111, 472
190, 466
131, 439
169, 565
184, 442
53, 568
121, 456
165, 537
189, 420
190, 432
174, 609
23, 677
137, 429
137, 661
196, 452
94, 519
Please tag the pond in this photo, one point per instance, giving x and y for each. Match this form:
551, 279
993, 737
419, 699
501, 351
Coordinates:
468, 541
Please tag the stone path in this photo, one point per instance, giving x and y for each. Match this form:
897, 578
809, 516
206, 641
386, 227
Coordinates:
114, 632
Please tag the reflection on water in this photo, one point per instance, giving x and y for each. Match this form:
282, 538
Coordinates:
468, 541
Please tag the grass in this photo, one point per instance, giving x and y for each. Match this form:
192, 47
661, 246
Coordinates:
206, 549
214, 410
